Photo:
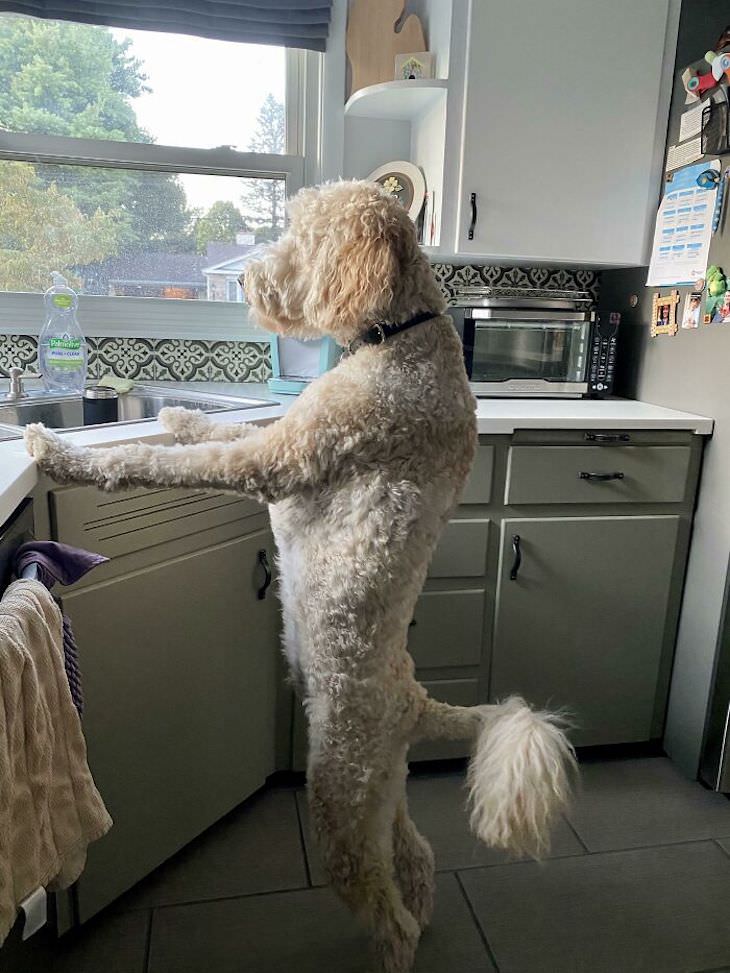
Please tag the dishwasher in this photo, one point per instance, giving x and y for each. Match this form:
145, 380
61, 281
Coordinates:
14, 532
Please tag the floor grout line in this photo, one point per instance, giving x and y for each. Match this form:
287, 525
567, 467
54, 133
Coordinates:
580, 841
303, 843
580, 857
229, 898
148, 943
722, 848
477, 923
440, 871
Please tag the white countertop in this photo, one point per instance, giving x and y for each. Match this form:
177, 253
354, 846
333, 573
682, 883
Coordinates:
18, 474
504, 416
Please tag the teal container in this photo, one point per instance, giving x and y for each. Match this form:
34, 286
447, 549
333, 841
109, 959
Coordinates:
296, 363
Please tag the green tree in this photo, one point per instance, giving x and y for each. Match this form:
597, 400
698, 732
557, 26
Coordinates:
76, 80
60, 78
262, 201
220, 224
41, 229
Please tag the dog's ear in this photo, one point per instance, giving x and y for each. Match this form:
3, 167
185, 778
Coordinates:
356, 272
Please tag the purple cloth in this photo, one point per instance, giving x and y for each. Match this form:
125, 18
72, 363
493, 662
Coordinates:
56, 562
60, 563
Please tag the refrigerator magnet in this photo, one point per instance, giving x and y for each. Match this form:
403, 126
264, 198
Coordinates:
664, 314
692, 310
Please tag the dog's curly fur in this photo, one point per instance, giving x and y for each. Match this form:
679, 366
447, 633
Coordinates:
360, 475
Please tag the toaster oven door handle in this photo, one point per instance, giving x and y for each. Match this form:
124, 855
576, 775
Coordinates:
553, 319
474, 214
600, 477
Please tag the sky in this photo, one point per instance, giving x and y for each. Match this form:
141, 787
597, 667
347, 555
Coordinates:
204, 94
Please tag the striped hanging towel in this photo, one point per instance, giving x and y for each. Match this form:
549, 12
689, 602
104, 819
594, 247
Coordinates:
63, 564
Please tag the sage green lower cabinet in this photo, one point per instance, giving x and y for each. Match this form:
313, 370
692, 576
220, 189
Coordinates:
461, 551
583, 624
179, 663
447, 629
589, 623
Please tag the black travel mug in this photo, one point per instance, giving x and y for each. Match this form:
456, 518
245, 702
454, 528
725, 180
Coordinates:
101, 404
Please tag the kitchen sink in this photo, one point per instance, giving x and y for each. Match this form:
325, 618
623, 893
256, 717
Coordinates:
143, 402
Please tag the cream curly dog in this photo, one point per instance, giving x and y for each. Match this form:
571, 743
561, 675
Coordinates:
360, 476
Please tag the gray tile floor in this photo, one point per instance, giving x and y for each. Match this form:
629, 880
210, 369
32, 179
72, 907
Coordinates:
638, 882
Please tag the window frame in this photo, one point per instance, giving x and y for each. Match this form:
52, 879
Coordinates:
22, 312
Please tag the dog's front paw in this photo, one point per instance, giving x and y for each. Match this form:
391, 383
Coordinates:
54, 455
43, 445
186, 425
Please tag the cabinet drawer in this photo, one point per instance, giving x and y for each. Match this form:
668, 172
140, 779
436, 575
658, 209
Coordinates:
117, 524
458, 692
448, 629
478, 487
553, 474
462, 550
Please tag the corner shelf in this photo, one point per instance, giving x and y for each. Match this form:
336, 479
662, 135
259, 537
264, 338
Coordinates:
396, 100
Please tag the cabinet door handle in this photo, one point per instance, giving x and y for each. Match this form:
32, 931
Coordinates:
600, 477
597, 437
517, 550
263, 559
473, 201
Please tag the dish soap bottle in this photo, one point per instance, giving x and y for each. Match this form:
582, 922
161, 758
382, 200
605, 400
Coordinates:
62, 351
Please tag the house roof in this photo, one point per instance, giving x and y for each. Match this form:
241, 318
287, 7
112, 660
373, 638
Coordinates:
217, 252
151, 267
169, 269
236, 263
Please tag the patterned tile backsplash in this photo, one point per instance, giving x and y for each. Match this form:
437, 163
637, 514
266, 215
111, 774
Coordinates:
155, 359
189, 360
451, 278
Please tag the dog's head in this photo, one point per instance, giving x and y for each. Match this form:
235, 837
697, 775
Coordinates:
349, 257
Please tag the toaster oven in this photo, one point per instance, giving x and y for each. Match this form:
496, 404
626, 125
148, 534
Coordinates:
525, 343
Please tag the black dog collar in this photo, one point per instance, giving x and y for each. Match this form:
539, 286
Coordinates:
378, 334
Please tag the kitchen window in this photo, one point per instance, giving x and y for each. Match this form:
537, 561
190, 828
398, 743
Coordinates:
147, 167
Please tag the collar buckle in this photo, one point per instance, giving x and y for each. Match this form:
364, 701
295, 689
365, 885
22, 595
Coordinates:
376, 335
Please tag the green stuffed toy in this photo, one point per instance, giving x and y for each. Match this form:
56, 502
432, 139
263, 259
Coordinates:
716, 287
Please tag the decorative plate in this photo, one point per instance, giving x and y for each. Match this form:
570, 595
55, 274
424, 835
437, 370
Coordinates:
404, 181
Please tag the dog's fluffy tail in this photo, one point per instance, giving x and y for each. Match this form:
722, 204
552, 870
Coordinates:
520, 777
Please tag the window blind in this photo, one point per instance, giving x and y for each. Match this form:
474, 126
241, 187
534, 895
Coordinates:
285, 23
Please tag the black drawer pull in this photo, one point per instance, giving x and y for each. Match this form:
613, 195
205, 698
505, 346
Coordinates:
598, 437
472, 225
600, 477
263, 559
518, 557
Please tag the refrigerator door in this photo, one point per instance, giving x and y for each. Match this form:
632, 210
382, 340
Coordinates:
715, 760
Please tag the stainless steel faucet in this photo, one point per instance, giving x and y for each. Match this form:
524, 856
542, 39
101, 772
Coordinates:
16, 390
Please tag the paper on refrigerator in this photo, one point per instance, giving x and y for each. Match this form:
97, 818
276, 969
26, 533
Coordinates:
690, 122
683, 229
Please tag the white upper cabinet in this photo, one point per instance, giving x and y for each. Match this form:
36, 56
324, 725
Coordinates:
553, 113
556, 122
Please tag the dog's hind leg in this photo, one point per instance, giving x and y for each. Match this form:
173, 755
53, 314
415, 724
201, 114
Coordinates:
414, 866
442, 721
521, 771
356, 843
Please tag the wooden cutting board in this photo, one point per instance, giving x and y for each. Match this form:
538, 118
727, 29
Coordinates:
372, 42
